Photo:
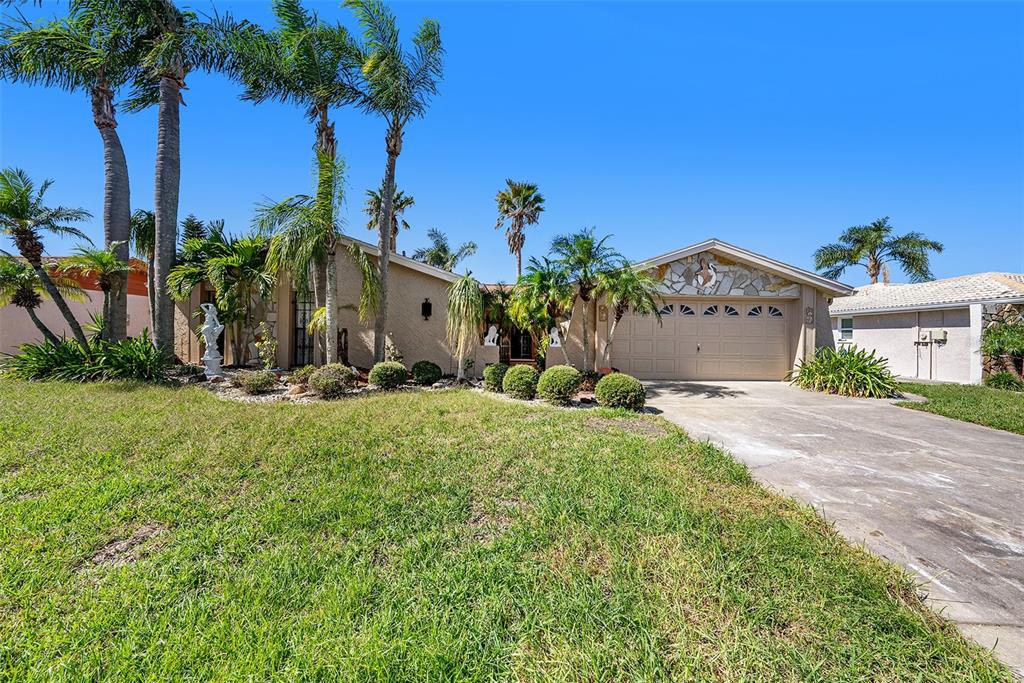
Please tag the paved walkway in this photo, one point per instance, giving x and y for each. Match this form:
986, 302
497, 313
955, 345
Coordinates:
943, 498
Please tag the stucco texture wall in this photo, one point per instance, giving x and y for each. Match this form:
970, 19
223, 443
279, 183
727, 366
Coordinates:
16, 327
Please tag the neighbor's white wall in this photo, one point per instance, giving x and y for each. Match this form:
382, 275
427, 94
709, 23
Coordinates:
16, 327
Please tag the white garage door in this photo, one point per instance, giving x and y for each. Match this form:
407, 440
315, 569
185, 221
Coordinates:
706, 340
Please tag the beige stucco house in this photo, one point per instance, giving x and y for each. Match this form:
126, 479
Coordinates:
727, 313
931, 330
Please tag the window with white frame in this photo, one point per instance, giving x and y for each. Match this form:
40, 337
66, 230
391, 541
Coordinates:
846, 329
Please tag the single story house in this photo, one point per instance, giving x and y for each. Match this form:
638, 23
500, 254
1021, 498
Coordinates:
727, 313
931, 330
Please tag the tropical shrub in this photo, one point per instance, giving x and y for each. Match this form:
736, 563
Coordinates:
619, 390
134, 358
301, 375
425, 372
1004, 380
494, 375
332, 380
520, 382
849, 372
388, 375
257, 381
1004, 343
559, 383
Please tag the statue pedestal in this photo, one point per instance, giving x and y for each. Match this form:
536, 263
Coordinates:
212, 363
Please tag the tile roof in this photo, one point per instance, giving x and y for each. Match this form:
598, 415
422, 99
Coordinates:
965, 289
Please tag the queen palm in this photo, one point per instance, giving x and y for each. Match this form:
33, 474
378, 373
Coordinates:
541, 299
519, 205
21, 287
94, 50
23, 217
144, 248
626, 289
872, 246
585, 258
400, 203
465, 317
440, 253
106, 267
397, 85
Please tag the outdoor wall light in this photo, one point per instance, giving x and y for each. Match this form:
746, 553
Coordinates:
426, 309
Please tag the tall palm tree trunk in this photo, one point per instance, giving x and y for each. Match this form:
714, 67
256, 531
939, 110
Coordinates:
151, 293
320, 301
61, 304
47, 334
116, 206
607, 355
586, 335
327, 148
394, 146
168, 178
331, 301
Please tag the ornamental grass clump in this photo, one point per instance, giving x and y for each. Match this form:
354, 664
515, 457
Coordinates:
558, 384
494, 375
255, 382
849, 372
426, 373
388, 374
520, 382
332, 380
619, 390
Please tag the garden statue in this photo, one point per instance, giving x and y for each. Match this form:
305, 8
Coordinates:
555, 338
492, 336
211, 332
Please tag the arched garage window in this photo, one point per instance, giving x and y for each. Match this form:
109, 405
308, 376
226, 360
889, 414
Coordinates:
754, 312
686, 310
711, 310
731, 310
774, 312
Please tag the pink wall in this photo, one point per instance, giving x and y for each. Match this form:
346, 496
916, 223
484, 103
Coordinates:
17, 328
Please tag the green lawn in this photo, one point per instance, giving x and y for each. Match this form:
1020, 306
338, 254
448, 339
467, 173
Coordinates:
971, 403
161, 534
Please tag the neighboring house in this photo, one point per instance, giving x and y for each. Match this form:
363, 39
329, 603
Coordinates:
930, 330
16, 328
728, 314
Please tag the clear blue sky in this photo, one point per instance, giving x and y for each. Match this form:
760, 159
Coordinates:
772, 126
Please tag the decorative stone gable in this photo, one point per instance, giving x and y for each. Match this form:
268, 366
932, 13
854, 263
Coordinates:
711, 274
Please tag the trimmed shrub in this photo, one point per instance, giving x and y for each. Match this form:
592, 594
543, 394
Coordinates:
619, 390
388, 374
494, 375
301, 375
559, 383
1004, 380
848, 372
257, 381
520, 382
332, 380
425, 372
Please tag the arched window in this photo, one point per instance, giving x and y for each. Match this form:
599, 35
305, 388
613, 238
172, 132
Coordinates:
711, 310
754, 312
774, 312
667, 309
731, 310
686, 310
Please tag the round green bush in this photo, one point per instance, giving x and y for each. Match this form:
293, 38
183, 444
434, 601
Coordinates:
559, 383
257, 381
389, 374
494, 375
619, 390
1004, 380
332, 380
425, 372
520, 382
301, 375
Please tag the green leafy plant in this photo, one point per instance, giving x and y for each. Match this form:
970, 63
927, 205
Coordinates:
301, 375
559, 383
135, 358
494, 375
425, 372
619, 390
1005, 343
388, 374
332, 380
257, 381
1004, 380
849, 372
520, 382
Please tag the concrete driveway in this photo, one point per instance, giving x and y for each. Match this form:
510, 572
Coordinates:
943, 498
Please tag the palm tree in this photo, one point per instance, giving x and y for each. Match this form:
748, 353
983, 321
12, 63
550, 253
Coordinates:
94, 50
519, 205
872, 246
397, 85
400, 203
465, 316
541, 299
23, 216
439, 254
20, 286
106, 267
144, 247
585, 258
625, 289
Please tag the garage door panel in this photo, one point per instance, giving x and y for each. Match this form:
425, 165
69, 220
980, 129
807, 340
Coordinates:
665, 348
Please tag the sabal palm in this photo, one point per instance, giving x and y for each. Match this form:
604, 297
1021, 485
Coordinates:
519, 205
465, 317
96, 50
872, 246
104, 265
440, 254
585, 258
541, 299
374, 206
21, 286
24, 216
626, 289
396, 85
144, 247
